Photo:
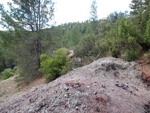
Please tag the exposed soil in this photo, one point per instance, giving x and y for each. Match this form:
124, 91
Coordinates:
10, 91
7, 86
145, 69
107, 85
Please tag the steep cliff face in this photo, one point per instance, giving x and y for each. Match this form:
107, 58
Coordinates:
107, 85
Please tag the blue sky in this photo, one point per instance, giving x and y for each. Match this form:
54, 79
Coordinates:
79, 10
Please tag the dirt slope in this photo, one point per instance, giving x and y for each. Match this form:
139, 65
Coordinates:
9, 89
107, 85
7, 86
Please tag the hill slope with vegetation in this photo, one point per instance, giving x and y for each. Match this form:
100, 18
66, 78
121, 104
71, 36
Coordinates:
30, 49
120, 35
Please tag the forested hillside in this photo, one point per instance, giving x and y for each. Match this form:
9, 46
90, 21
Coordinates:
121, 34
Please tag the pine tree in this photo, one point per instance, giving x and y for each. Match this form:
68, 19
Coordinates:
136, 6
94, 17
27, 19
29, 15
93, 12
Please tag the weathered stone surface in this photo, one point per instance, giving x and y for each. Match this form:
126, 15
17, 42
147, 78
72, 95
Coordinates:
106, 85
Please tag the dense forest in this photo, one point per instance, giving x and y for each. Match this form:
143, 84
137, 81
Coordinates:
30, 47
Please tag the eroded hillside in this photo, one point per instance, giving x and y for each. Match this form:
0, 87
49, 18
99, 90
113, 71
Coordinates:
107, 85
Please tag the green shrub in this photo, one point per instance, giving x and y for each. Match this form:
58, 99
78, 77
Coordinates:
115, 51
103, 46
86, 46
55, 65
131, 55
16, 70
43, 57
7, 73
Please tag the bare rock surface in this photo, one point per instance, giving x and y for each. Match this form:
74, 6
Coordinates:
107, 85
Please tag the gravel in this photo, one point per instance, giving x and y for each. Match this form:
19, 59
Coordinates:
106, 85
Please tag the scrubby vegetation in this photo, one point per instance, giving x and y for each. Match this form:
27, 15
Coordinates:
55, 65
7, 73
121, 34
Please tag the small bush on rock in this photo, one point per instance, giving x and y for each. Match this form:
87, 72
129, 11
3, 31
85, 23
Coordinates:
55, 65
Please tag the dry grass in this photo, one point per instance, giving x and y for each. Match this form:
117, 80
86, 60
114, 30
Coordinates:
9, 86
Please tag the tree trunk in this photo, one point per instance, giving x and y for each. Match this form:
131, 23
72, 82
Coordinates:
37, 48
39, 51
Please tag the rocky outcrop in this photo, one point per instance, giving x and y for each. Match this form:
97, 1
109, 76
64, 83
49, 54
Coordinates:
107, 85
